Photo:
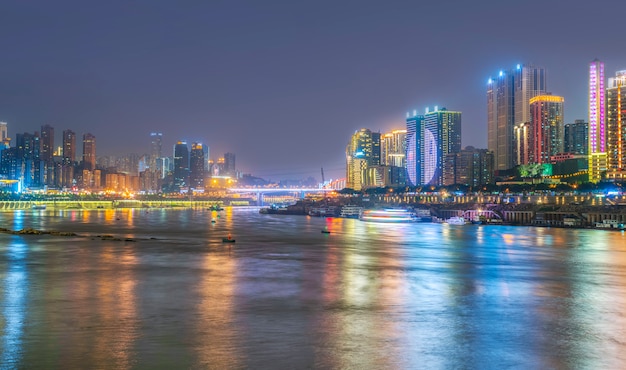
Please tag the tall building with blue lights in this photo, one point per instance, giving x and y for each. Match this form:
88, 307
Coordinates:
430, 137
414, 134
508, 106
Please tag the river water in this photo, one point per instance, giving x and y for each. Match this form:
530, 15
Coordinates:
286, 296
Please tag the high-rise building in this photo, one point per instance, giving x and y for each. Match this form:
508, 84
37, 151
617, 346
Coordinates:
470, 166
196, 166
363, 151
442, 136
414, 137
47, 153
576, 137
229, 164
69, 146
508, 105
181, 165
523, 143
393, 149
89, 152
156, 139
4, 136
597, 123
547, 126
69, 156
616, 126
30, 168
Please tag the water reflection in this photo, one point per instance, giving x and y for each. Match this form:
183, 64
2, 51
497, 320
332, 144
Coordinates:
15, 288
287, 296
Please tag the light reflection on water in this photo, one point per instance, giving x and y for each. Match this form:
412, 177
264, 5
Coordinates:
285, 295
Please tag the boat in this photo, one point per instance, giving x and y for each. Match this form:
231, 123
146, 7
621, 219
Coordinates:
228, 240
455, 221
38, 206
477, 220
350, 211
325, 231
388, 215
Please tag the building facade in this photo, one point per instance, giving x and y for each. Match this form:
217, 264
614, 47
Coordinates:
616, 126
576, 137
597, 123
89, 152
547, 126
414, 135
181, 165
196, 166
362, 152
470, 166
508, 105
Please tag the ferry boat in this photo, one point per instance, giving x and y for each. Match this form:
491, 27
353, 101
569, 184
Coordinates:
350, 211
388, 215
38, 206
455, 221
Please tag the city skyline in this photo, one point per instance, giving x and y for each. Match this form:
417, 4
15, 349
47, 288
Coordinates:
243, 77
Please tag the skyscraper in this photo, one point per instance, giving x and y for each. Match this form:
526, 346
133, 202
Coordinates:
597, 128
616, 126
414, 135
470, 166
508, 105
361, 152
196, 166
442, 136
393, 149
547, 126
69, 156
181, 165
229, 164
156, 139
47, 153
576, 138
89, 152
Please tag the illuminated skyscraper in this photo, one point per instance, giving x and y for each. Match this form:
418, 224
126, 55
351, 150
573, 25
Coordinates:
508, 105
523, 143
442, 136
181, 165
547, 126
597, 128
89, 152
393, 149
361, 152
69, 156
414, 135
616, 126
196, 166
69, 146
156, 139
47, 153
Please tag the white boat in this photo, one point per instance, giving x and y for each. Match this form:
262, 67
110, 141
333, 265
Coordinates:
38, 206
388, 215
350, 211
456, 221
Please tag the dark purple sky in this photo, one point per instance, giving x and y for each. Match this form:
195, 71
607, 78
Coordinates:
283, 84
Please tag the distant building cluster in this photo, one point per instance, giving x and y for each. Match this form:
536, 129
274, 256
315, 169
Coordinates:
32, 162
526, 136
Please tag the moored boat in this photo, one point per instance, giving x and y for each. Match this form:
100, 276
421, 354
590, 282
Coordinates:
455, 221
388, 215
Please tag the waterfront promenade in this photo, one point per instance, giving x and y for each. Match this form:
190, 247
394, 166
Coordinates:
9, 205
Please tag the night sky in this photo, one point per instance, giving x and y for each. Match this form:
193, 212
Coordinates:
283, 84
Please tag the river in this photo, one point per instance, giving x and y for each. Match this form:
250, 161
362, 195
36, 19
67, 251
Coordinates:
286, 296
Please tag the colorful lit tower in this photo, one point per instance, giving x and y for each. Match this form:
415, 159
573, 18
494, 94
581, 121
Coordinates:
597, 128
616, 126
547, 126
